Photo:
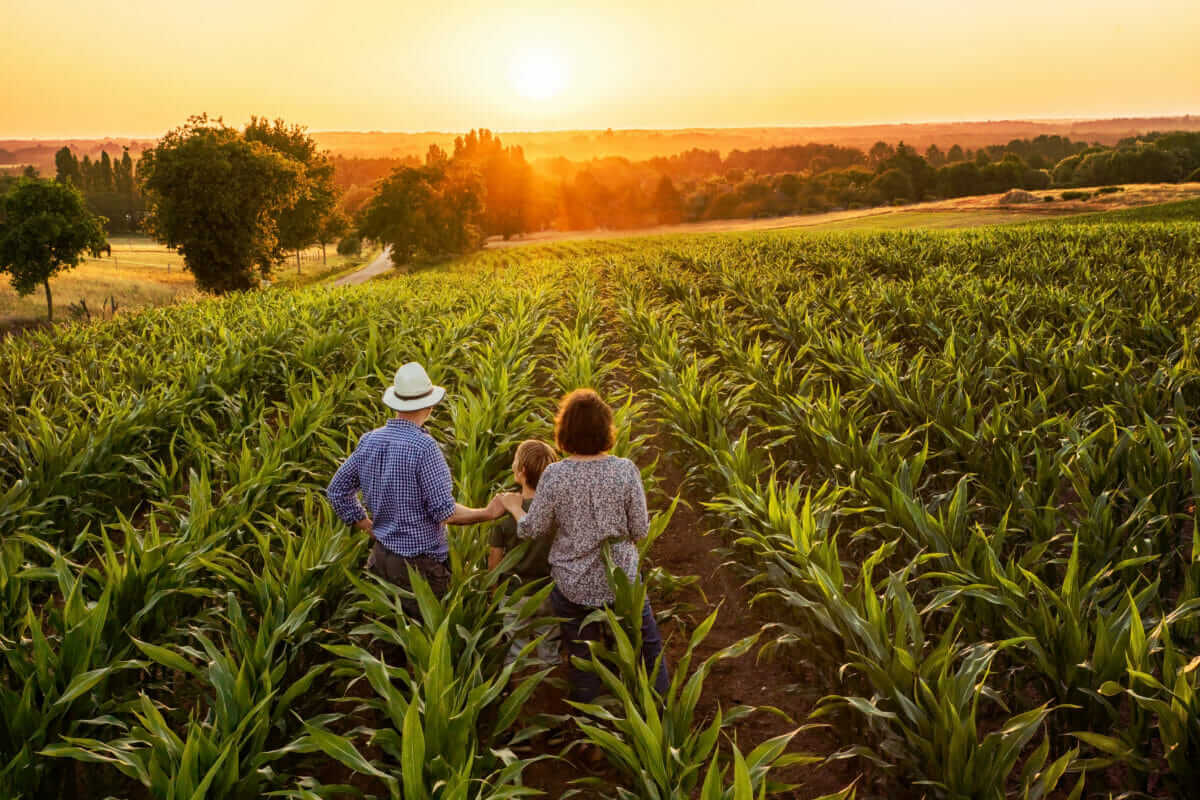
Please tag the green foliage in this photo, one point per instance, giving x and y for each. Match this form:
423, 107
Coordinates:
960, 471
219, 199
428, 212
304, 220
658, 743
349, 245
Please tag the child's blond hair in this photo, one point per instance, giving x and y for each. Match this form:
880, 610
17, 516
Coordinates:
533, 456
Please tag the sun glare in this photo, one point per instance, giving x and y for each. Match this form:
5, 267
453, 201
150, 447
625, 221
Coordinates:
537, 74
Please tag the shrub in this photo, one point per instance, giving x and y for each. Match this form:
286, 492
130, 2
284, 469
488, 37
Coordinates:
1110, 189
1076, 195
349, 246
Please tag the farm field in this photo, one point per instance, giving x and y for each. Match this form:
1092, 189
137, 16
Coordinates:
931, 494
961, 212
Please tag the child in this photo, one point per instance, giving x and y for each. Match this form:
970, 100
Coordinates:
531, 459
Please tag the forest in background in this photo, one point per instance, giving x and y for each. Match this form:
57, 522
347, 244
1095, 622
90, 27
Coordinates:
520, 194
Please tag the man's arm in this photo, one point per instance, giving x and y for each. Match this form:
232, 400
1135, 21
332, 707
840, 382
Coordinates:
343, 493
438, 489
464, 515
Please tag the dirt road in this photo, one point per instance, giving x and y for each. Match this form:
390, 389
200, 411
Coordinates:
975, 210
381, 264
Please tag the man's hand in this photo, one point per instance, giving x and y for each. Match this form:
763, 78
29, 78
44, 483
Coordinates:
512, 502
472, 516
495, 509
366, 525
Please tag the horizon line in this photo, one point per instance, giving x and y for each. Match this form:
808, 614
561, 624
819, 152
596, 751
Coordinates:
773, 126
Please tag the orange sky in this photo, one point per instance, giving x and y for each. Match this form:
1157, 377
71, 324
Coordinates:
139, 67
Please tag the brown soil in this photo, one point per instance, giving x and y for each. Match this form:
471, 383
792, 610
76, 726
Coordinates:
688, 548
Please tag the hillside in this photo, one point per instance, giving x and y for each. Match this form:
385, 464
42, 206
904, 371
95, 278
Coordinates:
644, 144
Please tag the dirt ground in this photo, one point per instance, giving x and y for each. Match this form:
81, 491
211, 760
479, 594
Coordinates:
686, 548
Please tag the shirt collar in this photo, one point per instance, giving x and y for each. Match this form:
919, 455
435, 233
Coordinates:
402, 423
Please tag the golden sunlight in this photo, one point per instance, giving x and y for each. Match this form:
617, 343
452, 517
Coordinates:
537, 73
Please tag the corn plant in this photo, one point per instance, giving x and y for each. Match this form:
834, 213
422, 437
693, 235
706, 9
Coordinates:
58, 671
446, 721
658, 743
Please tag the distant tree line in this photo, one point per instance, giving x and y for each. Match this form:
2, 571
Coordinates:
109, 187
701, 185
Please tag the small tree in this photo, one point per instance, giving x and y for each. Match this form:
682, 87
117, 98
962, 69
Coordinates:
428, 211
333, 228
349, 245
217, 198
300, 222
668, 205
892, 184
44, 228
66, 166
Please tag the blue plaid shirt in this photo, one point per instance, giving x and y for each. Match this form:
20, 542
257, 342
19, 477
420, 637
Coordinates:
406, 484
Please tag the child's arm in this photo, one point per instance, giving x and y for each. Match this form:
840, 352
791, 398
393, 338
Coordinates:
495, 556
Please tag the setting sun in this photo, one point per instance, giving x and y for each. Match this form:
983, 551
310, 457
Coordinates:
537, 74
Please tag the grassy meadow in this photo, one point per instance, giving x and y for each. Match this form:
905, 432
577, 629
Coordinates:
141, 273
924, 512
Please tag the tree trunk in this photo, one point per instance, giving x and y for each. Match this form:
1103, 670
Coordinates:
297, 262
49, 302
324, 263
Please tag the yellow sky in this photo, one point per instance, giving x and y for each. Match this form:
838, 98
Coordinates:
139, 67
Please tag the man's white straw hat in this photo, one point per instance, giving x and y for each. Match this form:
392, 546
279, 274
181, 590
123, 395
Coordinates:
411, 389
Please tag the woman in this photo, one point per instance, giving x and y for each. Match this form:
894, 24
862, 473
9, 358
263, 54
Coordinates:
588, 499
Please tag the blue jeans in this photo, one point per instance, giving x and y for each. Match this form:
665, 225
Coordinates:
586, 686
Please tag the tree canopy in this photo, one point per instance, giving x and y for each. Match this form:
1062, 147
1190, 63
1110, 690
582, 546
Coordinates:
430, 211
44, 229
218, 198
301, 221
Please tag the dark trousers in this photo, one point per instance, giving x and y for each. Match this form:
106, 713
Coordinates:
586, 686
394, 569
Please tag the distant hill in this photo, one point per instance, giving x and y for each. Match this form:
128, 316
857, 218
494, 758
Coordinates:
642, 144
40, 152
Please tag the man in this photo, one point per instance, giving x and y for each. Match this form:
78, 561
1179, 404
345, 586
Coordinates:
406, 484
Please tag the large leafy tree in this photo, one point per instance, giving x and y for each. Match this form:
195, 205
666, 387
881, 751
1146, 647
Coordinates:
217, 199
45, 228
300, 222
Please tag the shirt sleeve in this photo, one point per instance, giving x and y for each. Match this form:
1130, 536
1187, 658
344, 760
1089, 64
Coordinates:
343, 488
539, 520
637, 517
504, 533
437, 488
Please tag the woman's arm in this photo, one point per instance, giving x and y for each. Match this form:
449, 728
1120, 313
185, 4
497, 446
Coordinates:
636, 515
539, 520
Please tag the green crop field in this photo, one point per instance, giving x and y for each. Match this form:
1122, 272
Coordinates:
956, 471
